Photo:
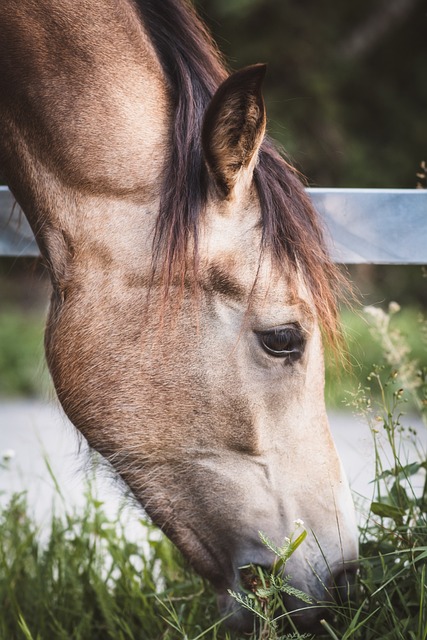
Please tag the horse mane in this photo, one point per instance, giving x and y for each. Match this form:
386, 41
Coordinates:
291, 229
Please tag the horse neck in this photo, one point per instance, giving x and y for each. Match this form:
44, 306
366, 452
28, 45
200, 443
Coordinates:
84, 119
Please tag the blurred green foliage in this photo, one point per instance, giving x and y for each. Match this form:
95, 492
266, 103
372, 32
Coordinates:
24, 292
363, 351
346, 89
22, 368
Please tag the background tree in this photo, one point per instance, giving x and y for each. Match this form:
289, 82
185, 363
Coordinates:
346, 87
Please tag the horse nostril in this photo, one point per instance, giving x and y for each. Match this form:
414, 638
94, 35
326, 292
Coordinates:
251, 576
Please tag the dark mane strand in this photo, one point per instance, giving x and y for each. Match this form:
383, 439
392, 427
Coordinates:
194, 69
291, 229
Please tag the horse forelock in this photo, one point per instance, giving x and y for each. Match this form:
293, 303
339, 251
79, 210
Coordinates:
291, 230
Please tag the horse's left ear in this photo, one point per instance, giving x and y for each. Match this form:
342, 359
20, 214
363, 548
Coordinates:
234, 126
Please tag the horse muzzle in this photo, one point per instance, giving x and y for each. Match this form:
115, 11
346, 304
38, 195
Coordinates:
331, 586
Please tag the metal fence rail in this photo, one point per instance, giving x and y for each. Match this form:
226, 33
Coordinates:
379, 226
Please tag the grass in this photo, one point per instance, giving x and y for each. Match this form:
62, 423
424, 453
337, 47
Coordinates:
392, 587
88, 581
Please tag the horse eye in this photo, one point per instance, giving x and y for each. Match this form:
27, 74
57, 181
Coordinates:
283, 342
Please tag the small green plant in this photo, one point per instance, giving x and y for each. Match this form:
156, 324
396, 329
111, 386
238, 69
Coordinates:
263, 592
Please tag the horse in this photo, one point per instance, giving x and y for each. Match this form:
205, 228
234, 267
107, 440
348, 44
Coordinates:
191, 289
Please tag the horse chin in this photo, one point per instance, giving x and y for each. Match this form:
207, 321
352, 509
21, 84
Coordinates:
197, 553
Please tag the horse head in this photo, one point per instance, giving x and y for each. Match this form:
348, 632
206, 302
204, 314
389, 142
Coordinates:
190, 287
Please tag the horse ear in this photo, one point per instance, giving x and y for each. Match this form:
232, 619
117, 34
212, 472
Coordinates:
234, 126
